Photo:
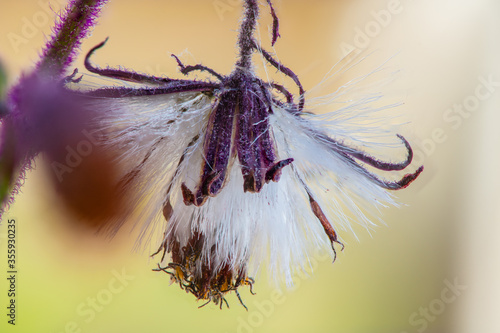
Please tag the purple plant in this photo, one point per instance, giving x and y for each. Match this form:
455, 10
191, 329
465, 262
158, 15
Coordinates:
240, 173
37, 104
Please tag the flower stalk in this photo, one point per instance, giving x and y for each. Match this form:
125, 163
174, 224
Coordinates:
74, 26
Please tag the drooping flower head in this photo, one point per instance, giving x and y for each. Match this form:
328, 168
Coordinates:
227, 173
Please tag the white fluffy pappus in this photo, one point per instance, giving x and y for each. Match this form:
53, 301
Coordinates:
160, 140
227, 176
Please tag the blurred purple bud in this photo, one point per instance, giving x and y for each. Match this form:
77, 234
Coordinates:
40, 115
7, 161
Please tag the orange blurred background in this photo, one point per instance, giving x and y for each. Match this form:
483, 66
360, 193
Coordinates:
444, 234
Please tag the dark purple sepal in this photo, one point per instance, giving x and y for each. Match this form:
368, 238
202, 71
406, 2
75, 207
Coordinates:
217, 150
190, 68
253, 143
285, 70
276, 24
120, 92
274, 172
374, 162
403, 182
288, 95
327, 226
127, 75
217, 146
187, 195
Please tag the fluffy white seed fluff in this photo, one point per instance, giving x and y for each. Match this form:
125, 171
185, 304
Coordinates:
275, 226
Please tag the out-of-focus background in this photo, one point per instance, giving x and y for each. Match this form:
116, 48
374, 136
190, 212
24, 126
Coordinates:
434, 267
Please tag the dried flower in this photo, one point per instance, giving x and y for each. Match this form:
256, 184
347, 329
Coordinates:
236, 167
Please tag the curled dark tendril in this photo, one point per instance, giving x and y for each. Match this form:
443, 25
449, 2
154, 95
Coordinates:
188, 69
276, 24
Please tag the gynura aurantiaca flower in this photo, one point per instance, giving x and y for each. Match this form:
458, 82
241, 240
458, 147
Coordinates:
236, 170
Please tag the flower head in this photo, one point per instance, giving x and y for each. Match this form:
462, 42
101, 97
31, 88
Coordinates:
233, 166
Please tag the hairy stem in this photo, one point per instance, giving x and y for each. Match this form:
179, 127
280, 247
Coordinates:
73, 27
247, 28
